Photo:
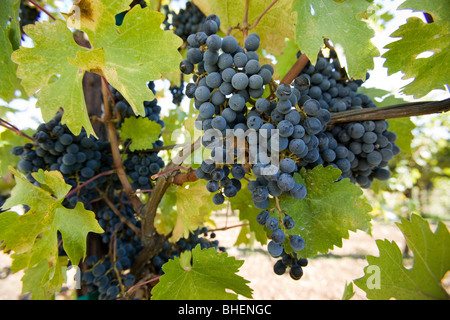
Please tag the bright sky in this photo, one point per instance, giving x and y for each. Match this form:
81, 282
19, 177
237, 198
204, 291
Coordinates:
29, 117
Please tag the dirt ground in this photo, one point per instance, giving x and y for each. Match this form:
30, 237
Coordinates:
324, 278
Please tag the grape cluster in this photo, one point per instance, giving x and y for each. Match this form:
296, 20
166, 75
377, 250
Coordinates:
141, 165
185, 22
361, 150
79, 158
110, 274
27, 14
283, 130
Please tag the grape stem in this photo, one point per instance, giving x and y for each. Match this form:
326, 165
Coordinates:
13, 128
168, 171
277, 203
118, 164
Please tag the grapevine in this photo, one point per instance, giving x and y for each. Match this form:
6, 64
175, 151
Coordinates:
290, 137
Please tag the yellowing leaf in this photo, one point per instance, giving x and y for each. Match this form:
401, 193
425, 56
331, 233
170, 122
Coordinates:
330, 210
386, 277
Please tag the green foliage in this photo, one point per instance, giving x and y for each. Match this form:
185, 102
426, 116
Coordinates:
386, 276
343, 24
33, 236
212, 274
418, 37
287, 58
330, 210
277, 25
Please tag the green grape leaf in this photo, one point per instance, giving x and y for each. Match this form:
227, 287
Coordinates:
9, 19
418, 37
330, 210
143, 132
127, 56
247, 211
33, 236
194, 205
440, 10
201, 275
276, 25
9, 41
46, 68
343, 24
386, 276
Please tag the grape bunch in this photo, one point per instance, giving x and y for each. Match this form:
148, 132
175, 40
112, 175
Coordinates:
141, 165
110, 274
185, 22
361, 150
79, 158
